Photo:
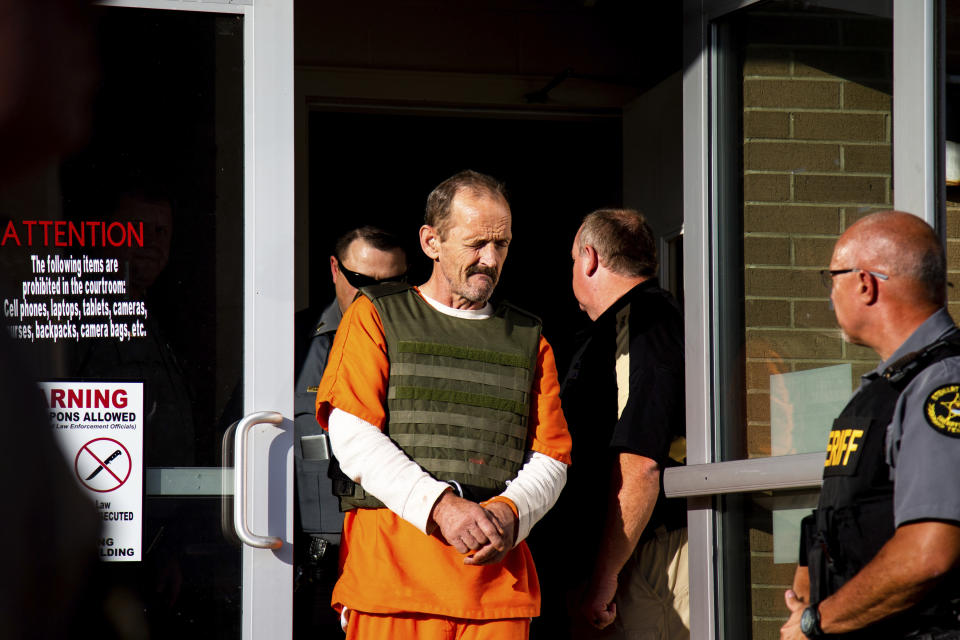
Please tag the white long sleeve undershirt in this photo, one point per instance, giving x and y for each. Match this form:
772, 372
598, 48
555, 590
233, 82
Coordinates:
369, 457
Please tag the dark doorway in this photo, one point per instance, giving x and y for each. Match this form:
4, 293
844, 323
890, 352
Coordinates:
378, 168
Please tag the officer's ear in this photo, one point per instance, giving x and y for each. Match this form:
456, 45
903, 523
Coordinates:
867, 287
590, 260
334, 269
430, 241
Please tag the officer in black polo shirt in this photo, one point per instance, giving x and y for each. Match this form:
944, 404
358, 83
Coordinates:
880, 553
624, 401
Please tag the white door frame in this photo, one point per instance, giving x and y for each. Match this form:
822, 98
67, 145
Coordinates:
918, 175
268, 297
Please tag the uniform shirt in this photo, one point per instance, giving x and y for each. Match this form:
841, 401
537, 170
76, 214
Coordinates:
924, 459
625, 392
314, 362
318, 509
389, 566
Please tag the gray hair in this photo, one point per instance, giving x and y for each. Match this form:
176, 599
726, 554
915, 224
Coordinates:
441, 198
623, 240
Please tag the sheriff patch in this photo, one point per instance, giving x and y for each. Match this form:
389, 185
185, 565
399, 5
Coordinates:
843, 444
848, 439
942, 409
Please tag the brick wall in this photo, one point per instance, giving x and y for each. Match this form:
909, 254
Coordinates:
953, 133
953, 250
816, 156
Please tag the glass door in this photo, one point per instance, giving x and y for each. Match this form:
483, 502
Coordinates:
134, 281
799, 118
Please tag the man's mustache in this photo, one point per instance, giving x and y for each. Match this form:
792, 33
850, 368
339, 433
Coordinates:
487, 271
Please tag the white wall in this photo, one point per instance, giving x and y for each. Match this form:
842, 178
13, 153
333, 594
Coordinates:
652, 155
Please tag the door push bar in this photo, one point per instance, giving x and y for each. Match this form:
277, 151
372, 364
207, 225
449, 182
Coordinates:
240, 480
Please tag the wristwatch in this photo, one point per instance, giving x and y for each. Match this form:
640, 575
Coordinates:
810, 622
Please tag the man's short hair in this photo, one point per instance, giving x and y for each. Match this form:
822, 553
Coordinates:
926, 261
374, 236
441, 198
912, 250
623, 241
933, 274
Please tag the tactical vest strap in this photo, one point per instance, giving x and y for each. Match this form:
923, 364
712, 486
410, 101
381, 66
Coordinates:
352, 496
905, 369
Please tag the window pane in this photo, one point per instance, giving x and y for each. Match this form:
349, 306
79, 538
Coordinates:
952, 128
803, 150
805, 120
122, 269
760, 542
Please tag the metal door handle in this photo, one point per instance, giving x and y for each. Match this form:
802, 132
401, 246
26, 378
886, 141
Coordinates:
240, 480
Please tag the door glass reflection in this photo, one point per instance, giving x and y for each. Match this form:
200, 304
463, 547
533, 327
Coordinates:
122, 282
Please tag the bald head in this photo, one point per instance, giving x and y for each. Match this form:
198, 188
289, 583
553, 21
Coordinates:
897, 244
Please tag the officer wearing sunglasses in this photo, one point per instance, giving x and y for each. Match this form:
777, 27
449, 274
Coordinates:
362, 257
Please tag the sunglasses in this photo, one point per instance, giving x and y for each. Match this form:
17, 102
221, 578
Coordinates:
359, 280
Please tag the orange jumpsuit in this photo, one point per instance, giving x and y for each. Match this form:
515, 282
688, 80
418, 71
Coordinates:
388, 565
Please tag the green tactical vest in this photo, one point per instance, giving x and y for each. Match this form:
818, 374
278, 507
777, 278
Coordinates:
458, 395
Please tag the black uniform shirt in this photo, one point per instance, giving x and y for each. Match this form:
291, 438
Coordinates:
625, 392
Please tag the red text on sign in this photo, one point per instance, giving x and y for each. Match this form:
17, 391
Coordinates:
88, 398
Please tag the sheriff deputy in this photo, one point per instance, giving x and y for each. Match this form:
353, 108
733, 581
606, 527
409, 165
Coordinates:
880, 554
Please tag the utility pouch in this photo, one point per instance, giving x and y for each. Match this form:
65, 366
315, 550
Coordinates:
319, 510
820, 562
808, 528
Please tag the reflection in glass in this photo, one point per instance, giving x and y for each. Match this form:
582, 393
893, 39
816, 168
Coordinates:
767, 562
125, 264
803, 405
802, 150
807, 99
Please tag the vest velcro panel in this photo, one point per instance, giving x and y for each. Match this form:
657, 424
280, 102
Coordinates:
448, 379
507, 378
491, 422
461, 392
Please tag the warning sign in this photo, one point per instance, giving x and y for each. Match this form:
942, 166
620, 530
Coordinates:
92, 456
99, 426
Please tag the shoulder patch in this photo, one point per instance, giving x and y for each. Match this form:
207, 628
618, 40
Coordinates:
942, 409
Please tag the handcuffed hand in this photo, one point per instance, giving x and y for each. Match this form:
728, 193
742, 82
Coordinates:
465, 525
507, 525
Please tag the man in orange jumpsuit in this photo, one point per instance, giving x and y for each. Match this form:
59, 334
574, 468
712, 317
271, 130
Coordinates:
446, 411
